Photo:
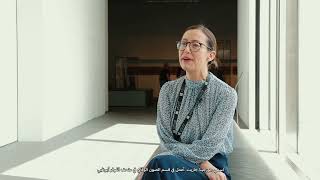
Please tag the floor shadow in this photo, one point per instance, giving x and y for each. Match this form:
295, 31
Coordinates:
18, 153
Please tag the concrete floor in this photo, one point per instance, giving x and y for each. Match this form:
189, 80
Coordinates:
121, 138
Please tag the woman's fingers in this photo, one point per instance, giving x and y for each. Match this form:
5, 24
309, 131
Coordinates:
216, 176
139, 177
212, 176
222, 176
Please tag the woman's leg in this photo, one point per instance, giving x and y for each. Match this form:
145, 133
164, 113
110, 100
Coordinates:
220, 161
171, 162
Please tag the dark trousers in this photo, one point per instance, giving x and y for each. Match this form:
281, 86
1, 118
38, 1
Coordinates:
170, 162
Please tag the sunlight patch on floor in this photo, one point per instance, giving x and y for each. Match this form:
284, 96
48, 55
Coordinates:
82, 159
128, 132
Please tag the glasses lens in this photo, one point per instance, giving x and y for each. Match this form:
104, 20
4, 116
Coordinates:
178, 44
195, 46
181, 45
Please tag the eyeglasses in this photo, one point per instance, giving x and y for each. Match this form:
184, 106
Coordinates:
194, 46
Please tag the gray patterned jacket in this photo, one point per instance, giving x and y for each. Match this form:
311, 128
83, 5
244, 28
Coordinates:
209, 131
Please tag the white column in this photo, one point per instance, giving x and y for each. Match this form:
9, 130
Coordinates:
8, 72
264, 61
309, 87
282, 82
30, 71
246, 61
62, 65
273, 66
107, 57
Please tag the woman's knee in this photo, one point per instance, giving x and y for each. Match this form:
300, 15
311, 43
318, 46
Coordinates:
162, 161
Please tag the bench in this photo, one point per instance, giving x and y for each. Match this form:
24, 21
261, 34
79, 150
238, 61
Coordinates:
244, 162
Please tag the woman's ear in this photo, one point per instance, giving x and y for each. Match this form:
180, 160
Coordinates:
211, 56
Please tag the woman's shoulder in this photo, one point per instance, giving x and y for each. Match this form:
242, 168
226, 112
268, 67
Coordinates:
170, 85
222, 88
168, 89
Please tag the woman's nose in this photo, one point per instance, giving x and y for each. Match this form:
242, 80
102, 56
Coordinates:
187, 49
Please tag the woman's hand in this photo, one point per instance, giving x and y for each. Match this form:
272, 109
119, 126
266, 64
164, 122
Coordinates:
212, 172
140, 175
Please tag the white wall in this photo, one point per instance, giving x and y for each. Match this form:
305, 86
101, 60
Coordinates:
62, 60
246, 61
8, 72
309, 86
30, 70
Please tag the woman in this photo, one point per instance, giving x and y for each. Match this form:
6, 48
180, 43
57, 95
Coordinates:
194, 116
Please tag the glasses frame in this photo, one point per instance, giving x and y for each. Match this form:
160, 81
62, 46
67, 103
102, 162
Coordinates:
201, 44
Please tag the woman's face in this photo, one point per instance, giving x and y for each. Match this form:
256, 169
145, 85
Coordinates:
195, 61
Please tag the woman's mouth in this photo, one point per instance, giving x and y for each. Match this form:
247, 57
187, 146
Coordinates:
186, 59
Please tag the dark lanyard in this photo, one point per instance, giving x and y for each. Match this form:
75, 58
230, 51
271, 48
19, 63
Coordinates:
177, 134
